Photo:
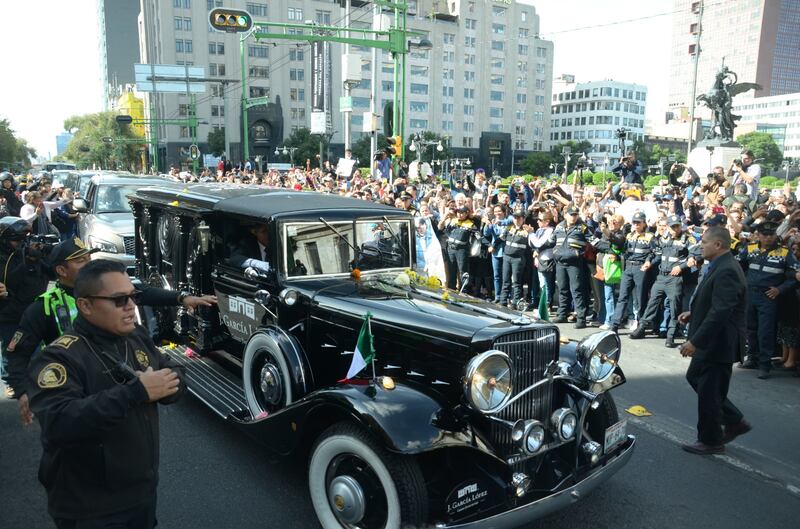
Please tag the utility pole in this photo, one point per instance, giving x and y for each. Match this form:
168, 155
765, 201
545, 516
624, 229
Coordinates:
373, 102
347, 113
694, 77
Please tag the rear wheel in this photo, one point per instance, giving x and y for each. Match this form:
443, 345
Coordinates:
355, 483
267, 382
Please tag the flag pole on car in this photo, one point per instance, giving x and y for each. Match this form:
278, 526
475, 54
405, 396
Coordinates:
364, 352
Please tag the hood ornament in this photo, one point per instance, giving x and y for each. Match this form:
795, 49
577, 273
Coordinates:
522, 320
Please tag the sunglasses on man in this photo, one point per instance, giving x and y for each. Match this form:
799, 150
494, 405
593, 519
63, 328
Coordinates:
121, 300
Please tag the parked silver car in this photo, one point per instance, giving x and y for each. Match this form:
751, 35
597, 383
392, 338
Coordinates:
106, 221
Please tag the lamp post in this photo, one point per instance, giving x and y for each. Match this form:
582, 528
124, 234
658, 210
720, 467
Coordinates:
606, 161
286, 150
566, 152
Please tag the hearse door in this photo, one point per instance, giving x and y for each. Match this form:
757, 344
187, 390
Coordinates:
242, 302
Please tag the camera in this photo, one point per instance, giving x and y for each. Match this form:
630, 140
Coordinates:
737, 161
621, 133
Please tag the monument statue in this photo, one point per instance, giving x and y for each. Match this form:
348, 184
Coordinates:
720, 100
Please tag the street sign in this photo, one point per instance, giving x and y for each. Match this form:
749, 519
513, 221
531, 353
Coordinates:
345, 104
171, 78
124, 119
255, 101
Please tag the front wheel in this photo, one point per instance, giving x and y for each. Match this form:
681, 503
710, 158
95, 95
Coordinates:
356, 483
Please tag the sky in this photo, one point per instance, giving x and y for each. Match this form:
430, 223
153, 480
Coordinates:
53, 72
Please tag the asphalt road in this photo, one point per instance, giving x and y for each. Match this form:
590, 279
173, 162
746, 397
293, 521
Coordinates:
214, 477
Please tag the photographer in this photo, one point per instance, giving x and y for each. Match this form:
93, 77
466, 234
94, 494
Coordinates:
23, 277
629, 169
519, 194
8, 193
745, 171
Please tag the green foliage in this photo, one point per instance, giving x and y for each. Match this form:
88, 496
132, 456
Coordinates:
578, 148
307, 145
360, 149
764, 149
216, 142
537, 163
656, 152
600, 178
651, 181
14, 152
770, 181
587, 177
87, 148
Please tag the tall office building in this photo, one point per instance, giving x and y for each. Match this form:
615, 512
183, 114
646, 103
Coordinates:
757, 39
594, 111
62, 141
119, 45
486, 83
775, 115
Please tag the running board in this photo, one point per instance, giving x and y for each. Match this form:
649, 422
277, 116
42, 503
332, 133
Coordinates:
213, 385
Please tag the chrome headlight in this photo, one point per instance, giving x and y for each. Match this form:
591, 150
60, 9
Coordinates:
102, 244
599, 354
564, 422
534, 436
487, 384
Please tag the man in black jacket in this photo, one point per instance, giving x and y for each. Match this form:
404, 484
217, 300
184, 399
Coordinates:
95, 392
716, 340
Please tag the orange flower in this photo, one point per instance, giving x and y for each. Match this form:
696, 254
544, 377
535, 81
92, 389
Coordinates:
356, 274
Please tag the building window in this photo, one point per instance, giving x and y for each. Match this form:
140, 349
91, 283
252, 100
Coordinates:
448, 38
469, 93
522, 49
497, 79
448, 74
297, 74
498, 11
297, 94
447, 91
469, 127
520, 115
495, 127
259, 91
522, 98
539, 100
418, 123
183, 46
258, 50
324, 18
449, 56
469, 76
497, 63
498, 29
495, 95
447, 126
211, 4
523, 16
418, 88
216, 48
183, 24
296, 55
295, 14
418, 106
523, 33
498, 45
216, 70
447, 108
469, 42
541, 52
469, 110
469, 58
217, 111
182, 4
259, 72
466, 142
257, 10
495, 112
216, 90
470, 23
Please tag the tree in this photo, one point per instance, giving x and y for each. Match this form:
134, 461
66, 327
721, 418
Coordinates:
576, 149
14, 152
361, 149
216, 142
537, 164
307, 145
89, 148
764, 149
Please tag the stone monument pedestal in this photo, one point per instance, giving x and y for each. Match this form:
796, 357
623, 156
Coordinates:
705, 157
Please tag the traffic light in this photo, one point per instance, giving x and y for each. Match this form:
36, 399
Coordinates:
394, 145
230, 20
194, 152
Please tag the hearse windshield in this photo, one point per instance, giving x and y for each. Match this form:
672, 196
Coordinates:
335, 247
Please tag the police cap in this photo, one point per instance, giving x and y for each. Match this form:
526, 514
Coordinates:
766, 228
674, 220
572, 210
68, 250
716, 220
518, 212
639, 217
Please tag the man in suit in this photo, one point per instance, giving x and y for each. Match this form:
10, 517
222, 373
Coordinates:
717, 338
252, 250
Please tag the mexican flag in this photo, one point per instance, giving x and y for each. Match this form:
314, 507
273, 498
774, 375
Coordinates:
365, 350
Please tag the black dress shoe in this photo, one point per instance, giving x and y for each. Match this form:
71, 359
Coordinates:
559, 319
662, 334
748, 365
704, 449
615, 329
638, 333
764, 374
671, 343
732, 431
580, 324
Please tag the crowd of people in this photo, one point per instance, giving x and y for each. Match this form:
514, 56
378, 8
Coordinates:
613, 256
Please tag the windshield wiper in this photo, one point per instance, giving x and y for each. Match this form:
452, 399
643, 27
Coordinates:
337, 232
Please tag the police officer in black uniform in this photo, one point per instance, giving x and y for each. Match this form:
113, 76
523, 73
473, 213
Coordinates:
459, 231
95, 392
569, 241
671, 255
770, 273
515, 250
637, 258
22, 277
53, 313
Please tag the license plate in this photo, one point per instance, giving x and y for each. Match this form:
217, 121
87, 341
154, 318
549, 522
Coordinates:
614, 435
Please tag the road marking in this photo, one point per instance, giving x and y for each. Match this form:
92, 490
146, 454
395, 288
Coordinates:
679, 433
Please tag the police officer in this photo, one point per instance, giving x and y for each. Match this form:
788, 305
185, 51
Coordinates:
637, 258
95, 392
459, 231
515, 250
671, 254
22, 277
770, 273
53, 312
569, 241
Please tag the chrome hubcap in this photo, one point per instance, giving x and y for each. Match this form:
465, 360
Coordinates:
346, 499
270, 384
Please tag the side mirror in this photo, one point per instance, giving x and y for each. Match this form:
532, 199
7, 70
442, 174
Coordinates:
80, 205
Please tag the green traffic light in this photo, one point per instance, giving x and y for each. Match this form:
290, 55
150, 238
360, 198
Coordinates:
242, 20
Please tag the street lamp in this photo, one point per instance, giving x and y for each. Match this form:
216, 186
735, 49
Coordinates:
606, 161
566, 152
286, 150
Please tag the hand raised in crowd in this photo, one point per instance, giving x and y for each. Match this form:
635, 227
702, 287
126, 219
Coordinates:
3, 290
25, 413
159, 384
192, 302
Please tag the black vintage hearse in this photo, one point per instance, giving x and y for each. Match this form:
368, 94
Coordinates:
473, 417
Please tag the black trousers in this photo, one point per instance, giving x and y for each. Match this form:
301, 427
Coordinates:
710, 380
632, 282
513, 268
140, 517
457, 265
571, 280
668, 287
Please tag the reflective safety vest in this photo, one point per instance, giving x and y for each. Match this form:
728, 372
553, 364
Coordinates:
774, 268
62, 306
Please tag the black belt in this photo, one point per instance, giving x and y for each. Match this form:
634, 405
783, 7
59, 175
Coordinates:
631, 264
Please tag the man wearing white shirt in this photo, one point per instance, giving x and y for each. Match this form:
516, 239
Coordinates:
747, 173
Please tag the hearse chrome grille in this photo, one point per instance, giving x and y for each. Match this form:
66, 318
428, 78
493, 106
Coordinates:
130, 245
530, 351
